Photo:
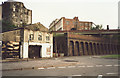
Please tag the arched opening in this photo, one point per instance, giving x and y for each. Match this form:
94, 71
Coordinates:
77, 48
86, 44
98, 49
91, 48
94, 45
71, 48
82, 48
102, 52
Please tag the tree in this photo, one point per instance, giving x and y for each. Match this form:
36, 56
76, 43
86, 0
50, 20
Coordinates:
97, 27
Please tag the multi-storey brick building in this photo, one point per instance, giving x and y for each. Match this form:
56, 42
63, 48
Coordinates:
69, 24
16, 13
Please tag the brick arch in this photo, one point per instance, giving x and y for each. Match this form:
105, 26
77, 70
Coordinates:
95, 48
87, 48
71, 48
91, 48
82, 48
77, 49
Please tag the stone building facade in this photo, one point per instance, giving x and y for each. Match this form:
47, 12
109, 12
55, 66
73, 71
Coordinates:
35, 41
80, 43
16, 13
69, 24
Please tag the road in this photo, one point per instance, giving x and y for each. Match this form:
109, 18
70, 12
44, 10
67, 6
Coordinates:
85, 66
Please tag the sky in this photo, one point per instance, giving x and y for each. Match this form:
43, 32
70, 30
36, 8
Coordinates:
103, 12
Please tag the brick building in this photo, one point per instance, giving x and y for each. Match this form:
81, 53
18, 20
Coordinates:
69, 24
16, 13
34, 41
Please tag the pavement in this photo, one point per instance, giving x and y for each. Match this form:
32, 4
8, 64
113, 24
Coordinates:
21, 64
64, 66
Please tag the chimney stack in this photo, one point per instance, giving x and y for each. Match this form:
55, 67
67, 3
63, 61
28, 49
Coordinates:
107, 27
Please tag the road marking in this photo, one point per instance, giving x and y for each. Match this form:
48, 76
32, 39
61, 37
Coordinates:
89, 66
76, 75
51, 68
61, 67
100, 76
81, 66
99, 65
111, 73
71, 66
116, 65
41, 68
108, 65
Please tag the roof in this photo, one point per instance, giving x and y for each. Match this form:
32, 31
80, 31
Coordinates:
37, 27
92, 32
34, 27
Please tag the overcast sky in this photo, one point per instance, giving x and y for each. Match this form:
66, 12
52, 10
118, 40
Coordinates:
103, 12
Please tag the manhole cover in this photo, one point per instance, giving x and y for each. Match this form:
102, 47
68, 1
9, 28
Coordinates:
70, 61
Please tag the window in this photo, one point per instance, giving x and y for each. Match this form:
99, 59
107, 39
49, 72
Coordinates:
13, 14
40, 37
31, 37
86, 28
86, 24
90, 24
13, 9
67, 22
47, 38
81, 24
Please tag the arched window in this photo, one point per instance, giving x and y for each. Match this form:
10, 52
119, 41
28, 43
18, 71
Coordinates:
40, 36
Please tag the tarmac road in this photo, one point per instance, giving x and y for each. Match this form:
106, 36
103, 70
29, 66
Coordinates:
84, 66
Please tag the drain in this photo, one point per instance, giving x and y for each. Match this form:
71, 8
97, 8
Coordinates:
70, 61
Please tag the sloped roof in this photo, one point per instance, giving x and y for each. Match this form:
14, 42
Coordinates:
37, 27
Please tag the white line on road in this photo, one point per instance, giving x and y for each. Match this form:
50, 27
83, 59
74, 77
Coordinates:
61, 67
51, 68
100, 76
110, 73
116, 65
99, 65
81, 66
89, 66
41, 68
76, 75
71, 66
108, 65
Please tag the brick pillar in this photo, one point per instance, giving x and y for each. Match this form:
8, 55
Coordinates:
70, 48
110, 49
97, 53
94, 45
116, 49
89, 49
85, 49
75, 49
80, 48
102, 51
103, 48
118, 46
100, 48
107, 48
113, 49
93, 48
